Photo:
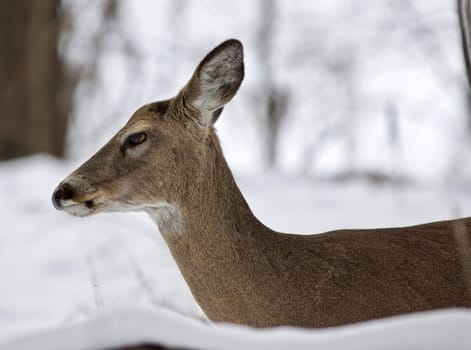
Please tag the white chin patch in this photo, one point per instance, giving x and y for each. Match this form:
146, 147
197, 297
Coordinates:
78, 209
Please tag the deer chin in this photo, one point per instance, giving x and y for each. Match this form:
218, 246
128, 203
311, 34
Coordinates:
79, 209
84, 208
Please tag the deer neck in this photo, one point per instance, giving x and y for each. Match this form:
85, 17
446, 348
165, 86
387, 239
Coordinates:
217, 242
212, 217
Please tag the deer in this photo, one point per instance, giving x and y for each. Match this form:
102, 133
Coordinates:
167, 161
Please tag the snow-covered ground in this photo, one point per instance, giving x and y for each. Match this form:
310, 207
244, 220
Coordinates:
57, 270
438, 330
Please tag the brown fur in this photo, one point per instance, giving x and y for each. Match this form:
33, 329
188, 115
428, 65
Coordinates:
240, 270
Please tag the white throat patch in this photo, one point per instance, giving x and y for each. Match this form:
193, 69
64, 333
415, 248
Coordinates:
167, 217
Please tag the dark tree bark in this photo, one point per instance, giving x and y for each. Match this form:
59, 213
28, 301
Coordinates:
34, 98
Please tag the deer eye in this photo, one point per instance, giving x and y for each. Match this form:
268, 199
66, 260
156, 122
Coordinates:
136, 139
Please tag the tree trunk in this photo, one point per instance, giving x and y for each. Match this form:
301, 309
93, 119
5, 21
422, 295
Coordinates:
273, 100
34, 101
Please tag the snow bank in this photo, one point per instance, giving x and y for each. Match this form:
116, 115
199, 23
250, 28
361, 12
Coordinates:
444, 329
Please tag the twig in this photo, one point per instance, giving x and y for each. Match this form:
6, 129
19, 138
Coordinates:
464, 14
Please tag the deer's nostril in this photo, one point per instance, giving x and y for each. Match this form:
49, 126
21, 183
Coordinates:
67, 191
62, 193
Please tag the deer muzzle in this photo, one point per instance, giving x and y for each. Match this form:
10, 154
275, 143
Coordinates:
76, 197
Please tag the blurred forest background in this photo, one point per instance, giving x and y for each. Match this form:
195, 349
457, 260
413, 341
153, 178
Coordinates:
336, 89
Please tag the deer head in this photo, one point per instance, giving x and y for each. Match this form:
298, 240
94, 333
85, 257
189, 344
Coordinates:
164, 149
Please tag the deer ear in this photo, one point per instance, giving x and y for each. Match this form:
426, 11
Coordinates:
215, 81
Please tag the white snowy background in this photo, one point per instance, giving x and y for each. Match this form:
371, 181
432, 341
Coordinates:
375, 87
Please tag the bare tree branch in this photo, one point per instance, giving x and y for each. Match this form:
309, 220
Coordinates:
464, 15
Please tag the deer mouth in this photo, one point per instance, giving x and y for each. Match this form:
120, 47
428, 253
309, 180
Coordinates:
82, 207
78, 209
66, 198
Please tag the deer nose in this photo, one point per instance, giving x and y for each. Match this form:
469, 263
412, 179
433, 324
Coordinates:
63, 192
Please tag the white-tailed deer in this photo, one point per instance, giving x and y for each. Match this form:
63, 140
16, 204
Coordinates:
167, 161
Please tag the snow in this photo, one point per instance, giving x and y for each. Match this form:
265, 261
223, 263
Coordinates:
444, 329
75, 275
